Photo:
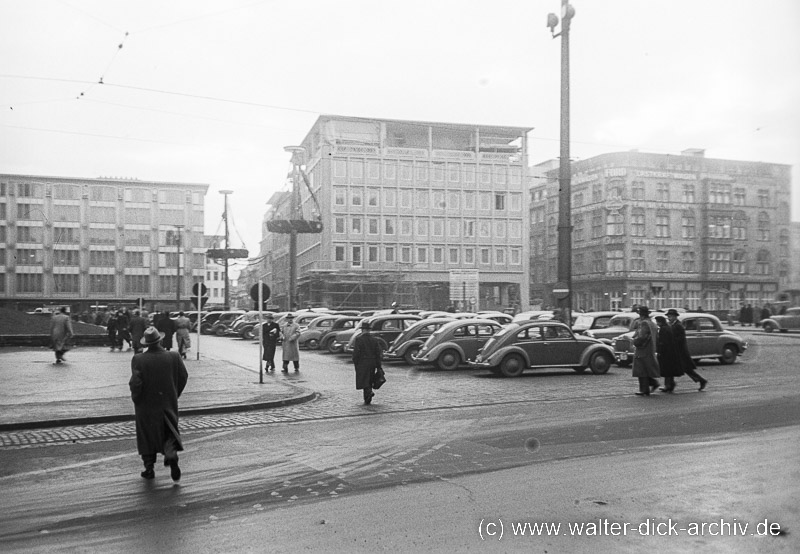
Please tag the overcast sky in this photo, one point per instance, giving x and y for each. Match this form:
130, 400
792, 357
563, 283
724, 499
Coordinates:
211, 91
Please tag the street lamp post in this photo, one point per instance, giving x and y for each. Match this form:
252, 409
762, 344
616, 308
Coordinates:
227, 247
295, 214
563, 289
178, 277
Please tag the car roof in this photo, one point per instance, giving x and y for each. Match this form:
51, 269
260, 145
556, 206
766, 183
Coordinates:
459, 322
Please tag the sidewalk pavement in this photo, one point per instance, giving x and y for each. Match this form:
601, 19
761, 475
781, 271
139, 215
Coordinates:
92, 387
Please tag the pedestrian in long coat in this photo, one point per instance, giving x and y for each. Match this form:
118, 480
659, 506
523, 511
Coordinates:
645, 364
290, 347
270, 333
682, 347
367, 355
111, 329
166, 325
182, 326
137, 327
123, 333
749, 315
668, 361
60, 333
157, 380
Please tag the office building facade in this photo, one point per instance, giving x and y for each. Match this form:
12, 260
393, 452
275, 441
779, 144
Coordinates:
666, 231
99, 242
423, 214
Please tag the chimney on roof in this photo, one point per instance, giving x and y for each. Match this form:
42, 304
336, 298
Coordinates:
694, 152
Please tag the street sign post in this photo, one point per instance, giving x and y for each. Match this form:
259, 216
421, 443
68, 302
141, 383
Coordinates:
199, 299
260, 293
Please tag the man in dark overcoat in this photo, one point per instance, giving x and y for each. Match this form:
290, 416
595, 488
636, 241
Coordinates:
157, 380
645, 364
682, 347
166, 325
668, 361
367, 354
136, 327
60, 333
270, 333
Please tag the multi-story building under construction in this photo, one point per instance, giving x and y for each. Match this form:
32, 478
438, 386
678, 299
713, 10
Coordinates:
419, 213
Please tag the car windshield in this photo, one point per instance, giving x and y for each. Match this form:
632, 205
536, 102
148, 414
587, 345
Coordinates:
584, 321
498, 336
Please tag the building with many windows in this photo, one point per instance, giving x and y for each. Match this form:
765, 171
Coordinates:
407, 207
90, 242
665, 230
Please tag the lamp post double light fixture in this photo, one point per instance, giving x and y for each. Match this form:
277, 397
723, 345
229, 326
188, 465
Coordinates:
562, 290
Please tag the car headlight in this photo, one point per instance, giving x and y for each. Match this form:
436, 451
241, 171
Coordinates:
589, 334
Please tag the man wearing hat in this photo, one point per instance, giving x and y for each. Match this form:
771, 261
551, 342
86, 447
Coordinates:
158, 378
290, 348
645, 364
270, 332
682, 347
367, 354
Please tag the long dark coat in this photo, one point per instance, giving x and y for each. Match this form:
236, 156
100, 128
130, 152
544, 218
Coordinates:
645, 363
668, 361
60, 331
270, 333
137, 327
167, 326
682, 347
157, 380
367, 354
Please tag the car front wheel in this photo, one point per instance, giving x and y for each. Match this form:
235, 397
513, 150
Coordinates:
248, 334
600, 363
410, 353
512, 365
448, 360
729, 353
312, 344
769, 327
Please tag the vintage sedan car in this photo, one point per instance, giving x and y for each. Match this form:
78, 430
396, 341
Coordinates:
409, 342
620, 323
385, 328
704, 335
311, 335
210, 318
589, 321
533, 315
500, 317
456, 342
782, 322
539, 344
328, 340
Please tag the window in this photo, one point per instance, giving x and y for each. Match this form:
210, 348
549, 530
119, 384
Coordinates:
662, 224
469, 256
763, 198
500, 229
739, 227
615, 261
578, 264
469, 200
29, 256
453, 172
66, 192
516, 256
500, 256
453, 227
597, 261
763, 263
137, 284
499, 201
763, 231
739, 197
339, 253
356, 256
356, 169
597, 224
103, 258
389, 198
372, 198
438, 255
405, 227
389, 254
437, 200
688, 193
615, 224
422, 255
29, 282
484, 228
422, 172
422, 227
373, 169
485, 173
101, 283
515, 229
29, 212
340, 168
500, 174
577, 200
719, 262
616, 190
372, 226
597, 193
405, 254
338, 224
469, 228
468, 172
422, 199
390, 171
65, 258
485, 199
637, 190
662, 192
134, 259
356, 197
99, 214
453, 255
29, 234
687, 225
637, 260
438, 227
405, 198
783, 243
662, 261
452, 200
372, 254
719, 227
739, 263
719, 194
30, 190
339, 196
516, 175
388, 226
485, 259
356, 225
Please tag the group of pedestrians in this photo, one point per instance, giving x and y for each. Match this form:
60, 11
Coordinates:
661, 350
123, 327
289, 333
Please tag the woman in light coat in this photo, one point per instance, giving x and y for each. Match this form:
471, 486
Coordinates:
182, 326
291, 350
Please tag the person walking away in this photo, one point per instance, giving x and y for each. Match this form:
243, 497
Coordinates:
682, 347
668, 361
270, 333
166, 325
111, 329
157, 380
645, 364
123, 330
137, 327
367, 354
290, 348
766, 313
60, 333
182, 327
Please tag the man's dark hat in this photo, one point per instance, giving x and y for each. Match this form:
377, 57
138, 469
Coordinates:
673, 311
661, 319
268, 315
644, 311
151, 336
